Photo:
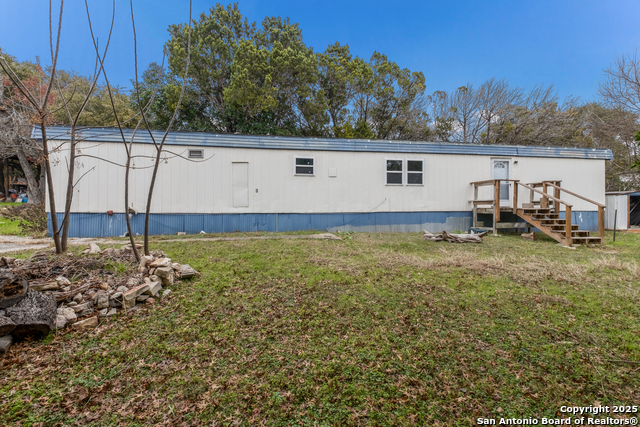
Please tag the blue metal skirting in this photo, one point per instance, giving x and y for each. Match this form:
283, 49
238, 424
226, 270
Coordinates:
103, 225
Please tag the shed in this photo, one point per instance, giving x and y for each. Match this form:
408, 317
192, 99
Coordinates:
226, 183
627, 205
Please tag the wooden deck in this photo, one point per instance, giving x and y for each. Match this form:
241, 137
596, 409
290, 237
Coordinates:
543, 213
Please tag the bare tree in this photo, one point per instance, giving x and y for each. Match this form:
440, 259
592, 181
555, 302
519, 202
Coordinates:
621, 87
540, 119
465, 109
494, 95
73, 123
39, 102
159, 146
441, 114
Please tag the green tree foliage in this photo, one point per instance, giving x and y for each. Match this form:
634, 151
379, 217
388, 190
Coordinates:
159, 95
98, 111
392, 100
215, 38
339, 76
264, 79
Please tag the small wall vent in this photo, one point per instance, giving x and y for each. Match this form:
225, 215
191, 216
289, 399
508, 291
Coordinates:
196, 154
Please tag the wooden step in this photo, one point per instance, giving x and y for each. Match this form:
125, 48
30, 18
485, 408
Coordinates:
574, 234
580, 233
552, 221
537, 202
537, 211
545, 216
586, 240
561, 228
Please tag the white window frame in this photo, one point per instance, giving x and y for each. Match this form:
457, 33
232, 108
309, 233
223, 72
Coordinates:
408, 171
404, 172
196, 150
313, 166
401, 172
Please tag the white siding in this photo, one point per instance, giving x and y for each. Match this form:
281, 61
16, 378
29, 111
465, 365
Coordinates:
206, 186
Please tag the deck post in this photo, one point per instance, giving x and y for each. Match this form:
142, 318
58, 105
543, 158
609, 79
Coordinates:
568, 228
544, 202
496, 200
601, 223
556, 193
495, 223
515, 197
475, 207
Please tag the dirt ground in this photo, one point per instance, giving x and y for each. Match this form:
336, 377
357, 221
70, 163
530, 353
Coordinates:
17, 243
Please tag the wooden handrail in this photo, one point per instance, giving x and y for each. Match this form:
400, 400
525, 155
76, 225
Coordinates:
555, 199
600, 206
549, 183
490, 182
539, 184
568, 232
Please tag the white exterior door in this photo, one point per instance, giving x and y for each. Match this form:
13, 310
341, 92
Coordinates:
501, 171
240, 179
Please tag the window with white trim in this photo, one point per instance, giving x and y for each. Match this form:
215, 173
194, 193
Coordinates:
304, 166
394, 171
404, 171
196, 154
415, 172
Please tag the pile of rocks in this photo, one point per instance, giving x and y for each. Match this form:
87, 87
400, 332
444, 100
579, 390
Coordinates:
33, 304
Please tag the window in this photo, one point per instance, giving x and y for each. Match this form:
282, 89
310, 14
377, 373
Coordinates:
405, 172
394, 172
304, 166
196, 154
415, 170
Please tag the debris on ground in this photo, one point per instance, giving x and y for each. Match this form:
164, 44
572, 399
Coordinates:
49, 292
453, 238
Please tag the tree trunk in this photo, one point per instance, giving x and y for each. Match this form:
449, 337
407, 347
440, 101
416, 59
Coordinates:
6, 178
52, 200
34, 316
42, 186
33, 190
136, 254
4, 190
69, 197
6, 326
12, 289
149, 196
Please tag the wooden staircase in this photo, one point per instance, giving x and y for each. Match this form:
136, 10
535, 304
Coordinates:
545, 216
550, 223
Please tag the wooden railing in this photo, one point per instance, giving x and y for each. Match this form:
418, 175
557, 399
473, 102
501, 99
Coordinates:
556, 186
567, 206
544, 201
495, 202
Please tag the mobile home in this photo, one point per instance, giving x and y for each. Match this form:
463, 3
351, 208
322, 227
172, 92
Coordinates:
225, 183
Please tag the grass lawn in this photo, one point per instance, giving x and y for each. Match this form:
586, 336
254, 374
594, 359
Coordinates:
380, 329
10, 227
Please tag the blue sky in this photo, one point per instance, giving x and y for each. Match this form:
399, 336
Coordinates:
566, 43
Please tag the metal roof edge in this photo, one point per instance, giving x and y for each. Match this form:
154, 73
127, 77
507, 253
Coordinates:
102, 134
